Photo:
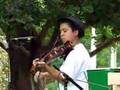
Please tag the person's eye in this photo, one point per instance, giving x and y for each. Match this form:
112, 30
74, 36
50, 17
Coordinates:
65, 30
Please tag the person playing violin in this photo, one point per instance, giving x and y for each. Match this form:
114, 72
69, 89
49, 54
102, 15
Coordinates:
77, 62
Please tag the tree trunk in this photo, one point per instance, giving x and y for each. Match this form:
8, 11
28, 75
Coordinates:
19, 66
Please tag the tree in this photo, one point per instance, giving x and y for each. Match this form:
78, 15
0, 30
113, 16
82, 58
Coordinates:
36, 18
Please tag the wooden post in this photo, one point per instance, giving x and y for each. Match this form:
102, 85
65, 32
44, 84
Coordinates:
93, 47
114, 80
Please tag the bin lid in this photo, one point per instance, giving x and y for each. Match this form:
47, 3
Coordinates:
107, 68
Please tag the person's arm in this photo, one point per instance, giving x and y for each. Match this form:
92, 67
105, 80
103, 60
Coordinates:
43, 75
54, 73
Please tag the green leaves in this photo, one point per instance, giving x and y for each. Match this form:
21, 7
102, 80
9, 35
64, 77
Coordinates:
4, 70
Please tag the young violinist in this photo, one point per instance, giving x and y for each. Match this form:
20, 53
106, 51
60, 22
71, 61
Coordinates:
76, 63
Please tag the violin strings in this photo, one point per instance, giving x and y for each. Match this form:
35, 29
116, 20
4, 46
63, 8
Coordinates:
57, 39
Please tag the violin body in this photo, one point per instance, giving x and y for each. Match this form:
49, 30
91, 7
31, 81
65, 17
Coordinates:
55, 52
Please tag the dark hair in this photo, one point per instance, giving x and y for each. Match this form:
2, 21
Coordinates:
74, 23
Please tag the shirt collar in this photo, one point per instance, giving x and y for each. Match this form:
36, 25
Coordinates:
77, 45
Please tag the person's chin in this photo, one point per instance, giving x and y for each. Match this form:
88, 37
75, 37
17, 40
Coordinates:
64, 41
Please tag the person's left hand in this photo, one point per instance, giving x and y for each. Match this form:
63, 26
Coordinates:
37, 62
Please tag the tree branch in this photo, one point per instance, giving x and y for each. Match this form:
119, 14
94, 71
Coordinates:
45, 29
105, 44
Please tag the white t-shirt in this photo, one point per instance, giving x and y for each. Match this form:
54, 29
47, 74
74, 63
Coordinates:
75, 66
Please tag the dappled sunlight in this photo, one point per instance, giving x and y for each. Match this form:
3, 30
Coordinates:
4, 69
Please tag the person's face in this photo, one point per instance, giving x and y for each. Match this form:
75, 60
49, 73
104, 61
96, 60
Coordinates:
67, 34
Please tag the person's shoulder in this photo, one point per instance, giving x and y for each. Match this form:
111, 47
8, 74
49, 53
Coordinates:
79, 46
81, 49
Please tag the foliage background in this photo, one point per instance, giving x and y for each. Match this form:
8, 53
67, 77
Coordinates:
20, 18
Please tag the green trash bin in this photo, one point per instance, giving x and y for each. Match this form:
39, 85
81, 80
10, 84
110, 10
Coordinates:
98, 80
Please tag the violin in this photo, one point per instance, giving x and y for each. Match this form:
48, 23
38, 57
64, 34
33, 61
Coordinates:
55, 52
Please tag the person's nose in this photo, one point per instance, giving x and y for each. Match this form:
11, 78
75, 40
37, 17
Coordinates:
61, 33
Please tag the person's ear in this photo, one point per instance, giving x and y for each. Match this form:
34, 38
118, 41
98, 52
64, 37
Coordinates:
76, 32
